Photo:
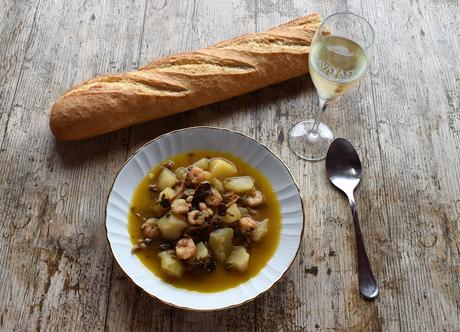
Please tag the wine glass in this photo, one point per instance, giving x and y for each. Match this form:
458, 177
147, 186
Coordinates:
339, 57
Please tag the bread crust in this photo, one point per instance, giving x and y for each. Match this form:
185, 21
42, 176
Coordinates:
184, 81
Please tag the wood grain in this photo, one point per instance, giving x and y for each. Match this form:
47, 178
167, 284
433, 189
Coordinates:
57, 272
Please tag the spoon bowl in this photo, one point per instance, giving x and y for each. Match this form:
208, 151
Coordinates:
343, 165
344, 169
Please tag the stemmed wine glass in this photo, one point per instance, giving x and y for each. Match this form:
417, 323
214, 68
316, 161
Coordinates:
339, 57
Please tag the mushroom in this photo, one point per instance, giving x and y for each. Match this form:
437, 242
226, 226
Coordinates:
214, 198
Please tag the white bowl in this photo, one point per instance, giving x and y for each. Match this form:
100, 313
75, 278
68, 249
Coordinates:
198, 138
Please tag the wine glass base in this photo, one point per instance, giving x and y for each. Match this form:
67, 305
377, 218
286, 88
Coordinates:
308, 145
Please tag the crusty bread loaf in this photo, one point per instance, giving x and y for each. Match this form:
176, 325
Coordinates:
185, 81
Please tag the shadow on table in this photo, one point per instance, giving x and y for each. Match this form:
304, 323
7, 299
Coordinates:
110, 146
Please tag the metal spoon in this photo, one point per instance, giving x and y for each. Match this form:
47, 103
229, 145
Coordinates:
344, 170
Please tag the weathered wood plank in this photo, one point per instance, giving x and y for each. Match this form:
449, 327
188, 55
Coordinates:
55, 259
414, 101
17, 21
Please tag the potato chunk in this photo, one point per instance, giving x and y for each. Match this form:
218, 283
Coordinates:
239, 184
238, 259
166, 179
220, 242
171, 226
233, 214
180, 172
202, 252
158, 210
222, 168
207, 176
201, 255
217, 184
260, 231
170, 264
167, 193
202, 163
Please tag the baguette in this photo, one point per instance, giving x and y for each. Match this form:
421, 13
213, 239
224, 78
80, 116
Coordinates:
185, 81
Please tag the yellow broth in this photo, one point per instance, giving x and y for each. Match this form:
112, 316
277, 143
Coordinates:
220, 279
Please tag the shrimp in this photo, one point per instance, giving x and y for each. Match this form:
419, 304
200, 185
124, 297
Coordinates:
188, 195
179, 206
185, 248
169, 164
196, 175
196, 217
253, 200
247, 224
150, 228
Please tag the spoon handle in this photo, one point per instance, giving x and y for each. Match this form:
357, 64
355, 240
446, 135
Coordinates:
367, 283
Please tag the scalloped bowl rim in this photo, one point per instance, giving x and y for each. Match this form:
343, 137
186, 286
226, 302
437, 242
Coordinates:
187, 140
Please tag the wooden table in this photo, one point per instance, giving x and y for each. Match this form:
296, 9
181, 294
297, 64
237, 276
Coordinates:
57, 272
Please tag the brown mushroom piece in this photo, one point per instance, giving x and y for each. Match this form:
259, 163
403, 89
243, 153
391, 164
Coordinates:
201, 192
214, 198
230, 198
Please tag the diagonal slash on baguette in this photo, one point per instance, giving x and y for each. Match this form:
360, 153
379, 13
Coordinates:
185, 81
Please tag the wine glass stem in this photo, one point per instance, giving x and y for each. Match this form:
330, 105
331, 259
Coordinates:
319, 115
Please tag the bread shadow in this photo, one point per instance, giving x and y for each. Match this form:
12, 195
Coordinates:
122, 143
100, 149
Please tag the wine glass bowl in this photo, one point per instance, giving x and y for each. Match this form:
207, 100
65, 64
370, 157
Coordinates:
339, 57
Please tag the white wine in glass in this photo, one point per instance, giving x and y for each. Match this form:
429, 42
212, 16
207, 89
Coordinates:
339, 57
336, 64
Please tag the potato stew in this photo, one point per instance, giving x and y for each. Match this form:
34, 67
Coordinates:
204, 221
